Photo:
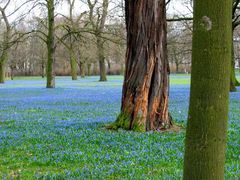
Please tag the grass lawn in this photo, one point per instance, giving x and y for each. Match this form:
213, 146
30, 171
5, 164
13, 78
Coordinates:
58, 133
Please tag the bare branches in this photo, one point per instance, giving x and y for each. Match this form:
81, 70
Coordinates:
180, 19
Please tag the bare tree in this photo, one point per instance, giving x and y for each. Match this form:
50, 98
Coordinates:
9, 36
97, 23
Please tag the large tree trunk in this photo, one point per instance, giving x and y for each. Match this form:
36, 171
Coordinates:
146, 82
208, 112
50, 46
101, 58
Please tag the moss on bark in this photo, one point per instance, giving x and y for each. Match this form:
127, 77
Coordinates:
208, 110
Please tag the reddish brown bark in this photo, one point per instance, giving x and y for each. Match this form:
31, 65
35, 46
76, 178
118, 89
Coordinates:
146, 83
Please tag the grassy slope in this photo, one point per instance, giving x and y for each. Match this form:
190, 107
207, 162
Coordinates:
58, 133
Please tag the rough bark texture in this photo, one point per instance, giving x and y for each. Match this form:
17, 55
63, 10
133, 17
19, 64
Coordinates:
208, 111
50, 46
146, 82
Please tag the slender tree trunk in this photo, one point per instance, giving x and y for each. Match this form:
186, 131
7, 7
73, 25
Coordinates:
101, 58
3, 60
82, 69
2, 72
74, 65
43, 70
122, 69
89, 69
95, 68
233, 80
208, 110
239, 64
50, 46
12, 72
177, 67
109, 67
146, 81
5, 45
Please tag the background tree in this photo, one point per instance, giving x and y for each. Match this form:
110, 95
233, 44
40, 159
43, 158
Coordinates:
146, 82
208, 110
179, 46
97, 22
235, 23
50, 44
5, 45
71, 38
9, 34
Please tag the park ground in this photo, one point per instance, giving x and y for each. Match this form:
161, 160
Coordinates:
59, 133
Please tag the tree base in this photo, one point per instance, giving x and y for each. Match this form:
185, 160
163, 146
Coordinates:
50, 87
233, 89
103, 79
123, 122
74, 78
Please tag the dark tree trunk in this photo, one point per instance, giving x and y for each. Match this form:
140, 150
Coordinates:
146, 81
177, 67
50, 46
206, 133
233, 80
43, 70
109, 67
239, 65
12, 72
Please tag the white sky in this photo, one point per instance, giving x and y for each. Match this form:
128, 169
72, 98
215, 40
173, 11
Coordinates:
176, 7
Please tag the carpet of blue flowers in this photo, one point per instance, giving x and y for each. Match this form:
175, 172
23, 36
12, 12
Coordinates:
58, 133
